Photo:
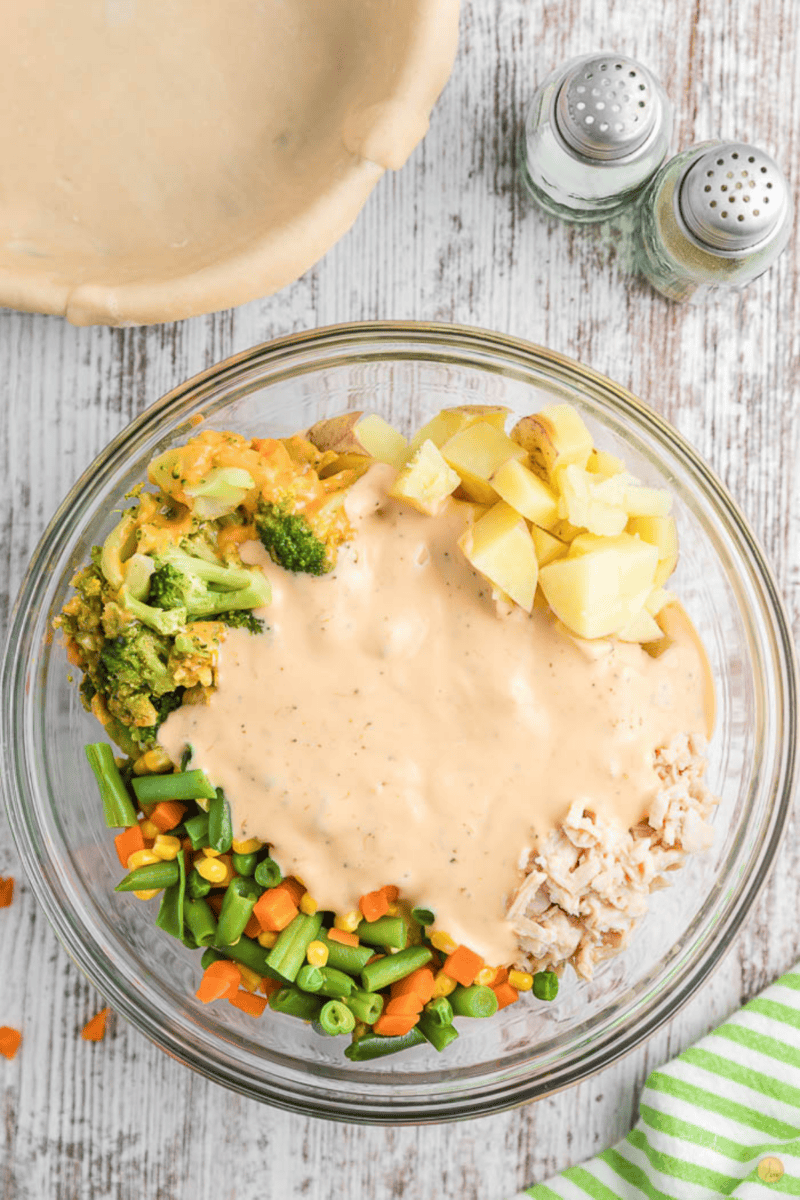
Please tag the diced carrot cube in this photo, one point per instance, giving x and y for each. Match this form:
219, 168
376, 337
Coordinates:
253, 928
275, 909
418, 983
403, 1006
128, 842
501, 976
9, 1041
294, 888
343, 937
268, 986
506, 994
220, 981
374, 905
7, 891
394, 1026
463, 965
214, 902
391, 893
167, 814
252, 1005
95, 1029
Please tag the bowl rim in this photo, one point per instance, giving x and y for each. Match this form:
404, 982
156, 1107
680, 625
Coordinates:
369, 340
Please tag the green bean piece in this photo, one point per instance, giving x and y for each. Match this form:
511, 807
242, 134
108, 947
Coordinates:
171, 912
237, 907
545, 985
474, 1001
383, 971
439, 1011
250, 954
335, 983
196, 885
244, 864
386, 931
210, 955
189, 940
268, 873
373, 1045
365, 1006
201, 922
439, 1036
181, 785
310, 979
351, 959
287, 955
335, 1018
118, 808
156, 875
220, 826
197, 830
423, 916
294, 1003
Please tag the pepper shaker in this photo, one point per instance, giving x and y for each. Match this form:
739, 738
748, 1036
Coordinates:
597, 130
715, 216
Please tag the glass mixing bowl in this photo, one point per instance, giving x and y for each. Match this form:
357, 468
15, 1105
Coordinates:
405, 373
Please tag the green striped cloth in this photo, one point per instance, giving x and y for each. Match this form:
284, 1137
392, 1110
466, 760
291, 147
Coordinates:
722, 1119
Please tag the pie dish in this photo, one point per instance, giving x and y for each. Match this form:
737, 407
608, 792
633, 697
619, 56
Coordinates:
162, 160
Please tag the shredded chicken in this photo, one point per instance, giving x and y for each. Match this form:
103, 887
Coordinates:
585, 889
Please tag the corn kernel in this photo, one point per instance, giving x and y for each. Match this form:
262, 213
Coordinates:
149, 830
317, 954
142, 858
347, 922
267, 939
360, 1030
393, 910
521, 980
146, 893
486, 976
251, 980
210, 852
443, 985
212, 869
152, 762
442, 941
167, 848
248, 846
308, 905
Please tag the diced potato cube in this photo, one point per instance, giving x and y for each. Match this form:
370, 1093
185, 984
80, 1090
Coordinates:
641, 628
448, 422
499, 546
381, 440
647, 502
604, 464
591, 504
658, 599
354, 433
476, 452
547, 547
565, 531
662, 533
554, 437
602, 583
527, 493
426, 481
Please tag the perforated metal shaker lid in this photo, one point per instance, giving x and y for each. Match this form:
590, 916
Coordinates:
734, 198
608, 106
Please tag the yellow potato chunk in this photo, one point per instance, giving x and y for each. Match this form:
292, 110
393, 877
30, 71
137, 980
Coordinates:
601, 585
662, 533
555, 437
527, 493
591, 504
426, 481
499, 546
646, 502
381, 440
477, 452
604, 464
641, 628
547, 547
448, 422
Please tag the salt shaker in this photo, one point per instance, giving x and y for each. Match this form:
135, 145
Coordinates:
597, 130
715, 216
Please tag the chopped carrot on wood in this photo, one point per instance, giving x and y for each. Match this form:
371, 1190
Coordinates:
220, 981
506, 994
275, 909
9, 1041
252, 1005
7, 892
95, 1029
167, 814
404, 1006
374, 905
463, 965
395, 1026
129, 842
343, 937
418, 983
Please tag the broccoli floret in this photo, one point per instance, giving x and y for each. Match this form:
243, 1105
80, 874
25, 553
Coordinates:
290, 541
162, 620
137, 659
240, 619
199, 588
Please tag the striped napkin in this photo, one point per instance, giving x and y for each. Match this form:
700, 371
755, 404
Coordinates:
722, 1119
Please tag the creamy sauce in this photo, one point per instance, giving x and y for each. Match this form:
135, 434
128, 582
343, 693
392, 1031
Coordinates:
394, 727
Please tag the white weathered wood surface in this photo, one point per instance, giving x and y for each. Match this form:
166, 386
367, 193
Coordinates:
449, 238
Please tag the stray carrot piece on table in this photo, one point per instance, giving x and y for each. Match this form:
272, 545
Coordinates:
252, 1005
9, 1041
463, 965
374, 905
506, 994
343, 937
167, 814
275, 908
404, 1006
129, 842
7, 891
220, 981
95, 1029
394, 1026
418, 983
